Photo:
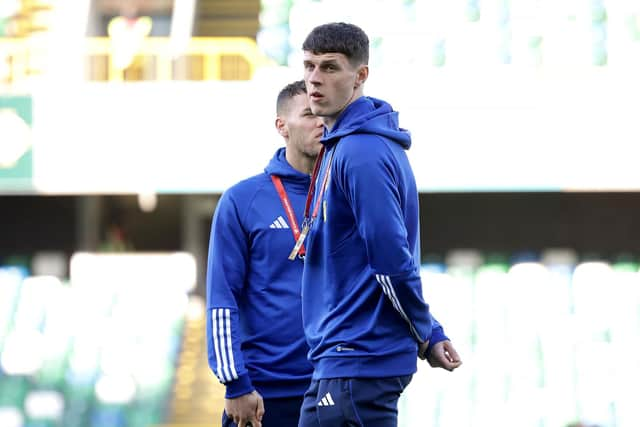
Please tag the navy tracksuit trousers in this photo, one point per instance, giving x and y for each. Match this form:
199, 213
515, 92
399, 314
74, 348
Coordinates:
353, 402
283, 412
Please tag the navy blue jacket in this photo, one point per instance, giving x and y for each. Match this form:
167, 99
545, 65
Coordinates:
254, 329
363, 310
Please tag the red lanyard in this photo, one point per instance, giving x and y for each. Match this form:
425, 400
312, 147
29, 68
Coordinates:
312, 190
308, 220
286, 204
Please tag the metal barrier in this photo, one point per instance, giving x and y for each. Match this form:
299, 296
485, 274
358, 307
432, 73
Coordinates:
203, 58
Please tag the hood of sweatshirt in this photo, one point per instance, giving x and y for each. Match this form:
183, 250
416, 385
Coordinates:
278, 165
371, 116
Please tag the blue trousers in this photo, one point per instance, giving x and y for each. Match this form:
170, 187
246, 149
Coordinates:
353, 402
282, 412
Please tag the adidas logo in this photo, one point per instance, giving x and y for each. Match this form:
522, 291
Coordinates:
326, 400
279, 223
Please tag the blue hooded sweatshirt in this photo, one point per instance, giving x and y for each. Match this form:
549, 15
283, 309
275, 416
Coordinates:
363, 311
254, 329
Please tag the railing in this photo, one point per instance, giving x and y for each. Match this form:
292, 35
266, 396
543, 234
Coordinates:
203, 58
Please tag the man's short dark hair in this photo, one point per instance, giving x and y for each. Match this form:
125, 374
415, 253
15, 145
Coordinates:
339, 37
288, 92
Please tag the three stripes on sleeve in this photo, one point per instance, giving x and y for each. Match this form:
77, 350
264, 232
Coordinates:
223, 345
389, 291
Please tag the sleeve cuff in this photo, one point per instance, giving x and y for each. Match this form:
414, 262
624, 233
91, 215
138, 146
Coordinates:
239, 387
437, 335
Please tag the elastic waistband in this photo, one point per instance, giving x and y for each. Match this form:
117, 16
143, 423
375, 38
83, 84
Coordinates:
366, 367
277, 389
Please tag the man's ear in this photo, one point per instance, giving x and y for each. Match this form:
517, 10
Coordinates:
361, 76
282, 129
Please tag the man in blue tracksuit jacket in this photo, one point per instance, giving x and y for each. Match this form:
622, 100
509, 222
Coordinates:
255, 340
364, 315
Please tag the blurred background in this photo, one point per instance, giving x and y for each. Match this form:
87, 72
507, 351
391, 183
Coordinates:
122, 121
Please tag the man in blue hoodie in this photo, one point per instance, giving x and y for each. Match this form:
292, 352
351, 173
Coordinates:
255, 340
364, 315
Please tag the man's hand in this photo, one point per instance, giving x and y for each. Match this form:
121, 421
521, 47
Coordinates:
245, 410
443, 355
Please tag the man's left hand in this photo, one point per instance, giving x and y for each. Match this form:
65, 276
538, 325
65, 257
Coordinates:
444, 355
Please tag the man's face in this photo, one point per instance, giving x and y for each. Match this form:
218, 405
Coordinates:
331, 82
303, 128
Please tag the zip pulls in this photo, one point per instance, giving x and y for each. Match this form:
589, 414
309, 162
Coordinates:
341, 347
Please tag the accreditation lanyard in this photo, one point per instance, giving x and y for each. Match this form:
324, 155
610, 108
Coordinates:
308, 219
286, 204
